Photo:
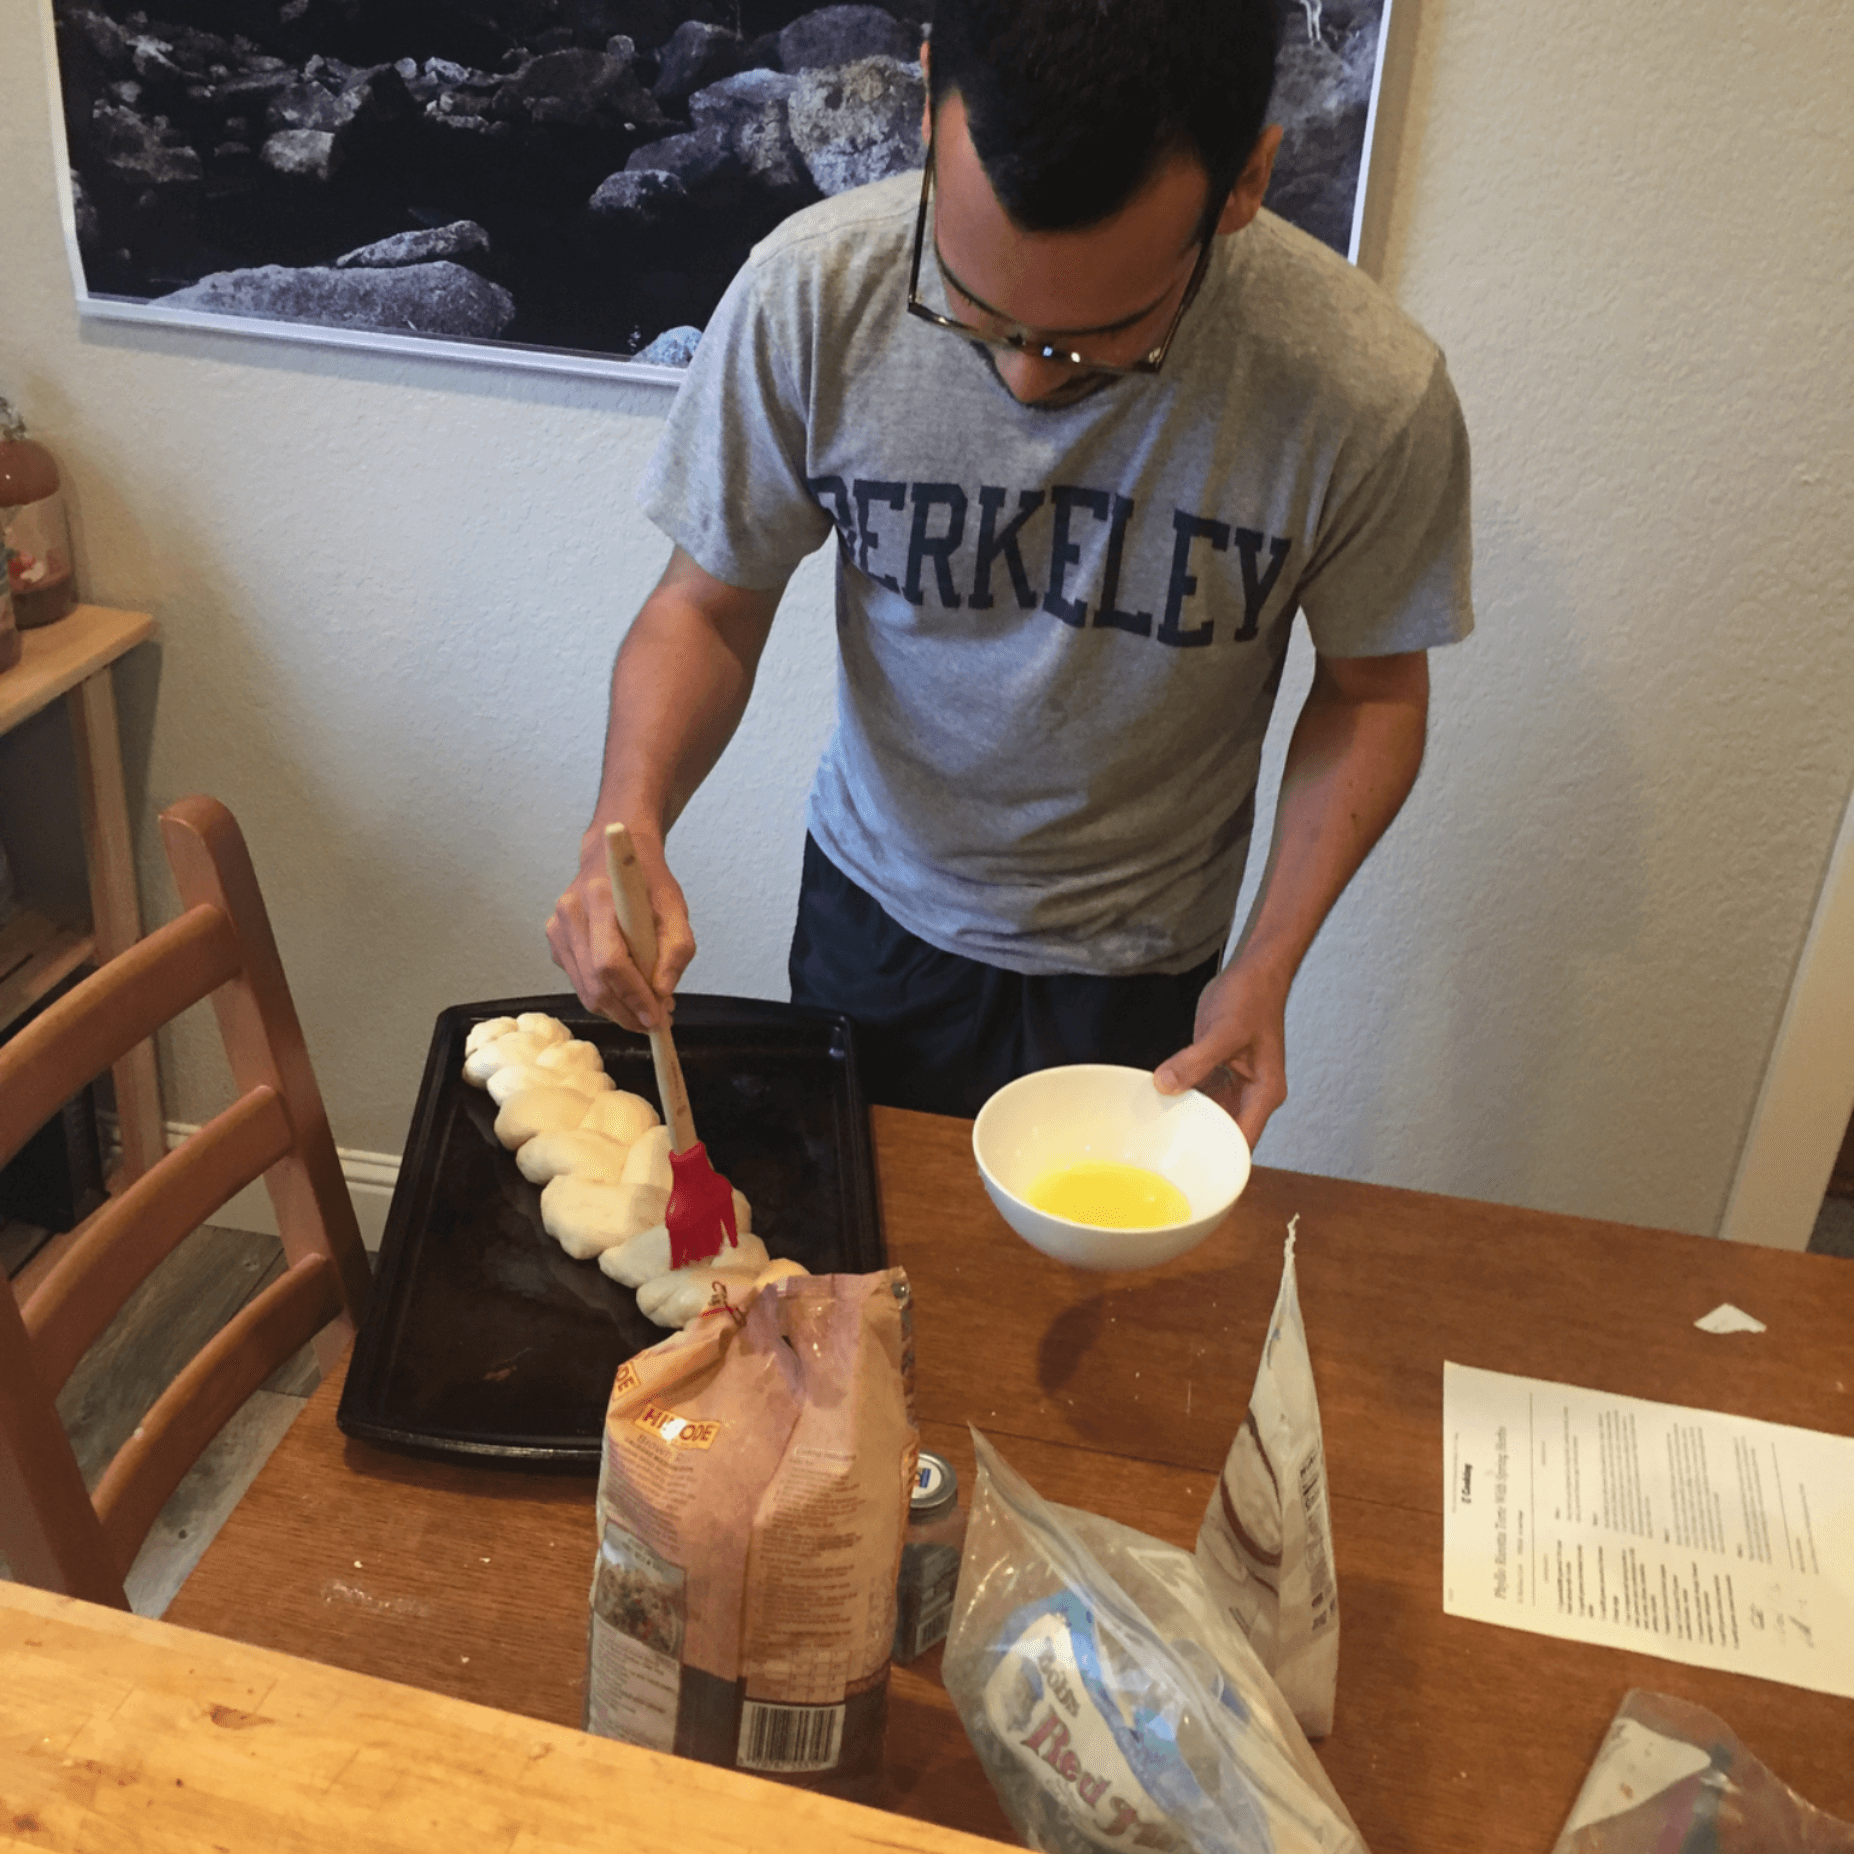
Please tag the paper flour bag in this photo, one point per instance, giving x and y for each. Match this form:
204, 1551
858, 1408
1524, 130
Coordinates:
752, 1497
1266, 1544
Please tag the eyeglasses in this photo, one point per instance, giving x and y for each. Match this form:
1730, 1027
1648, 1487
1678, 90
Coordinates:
1026, 341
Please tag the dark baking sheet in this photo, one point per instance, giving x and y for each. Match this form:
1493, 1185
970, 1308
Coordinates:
485, 1340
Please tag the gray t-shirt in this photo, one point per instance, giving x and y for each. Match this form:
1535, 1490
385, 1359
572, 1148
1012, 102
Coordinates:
1061, 631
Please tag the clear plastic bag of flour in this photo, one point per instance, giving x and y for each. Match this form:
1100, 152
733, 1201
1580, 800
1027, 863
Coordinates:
1266, 1544
1111, 1699
1673, 1779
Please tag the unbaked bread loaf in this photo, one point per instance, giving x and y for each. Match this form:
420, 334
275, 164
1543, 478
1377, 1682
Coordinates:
622, 1115
506, 1082
487, 1032
515, 1050
572, 1054
590, 1156
587, 1219
602, 1157
539, 1110
648, 1162
647, 1255
676, 1299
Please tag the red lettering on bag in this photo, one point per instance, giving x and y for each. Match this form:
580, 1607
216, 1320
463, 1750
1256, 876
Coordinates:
1050, 1742
1125, 1815
1053, 1729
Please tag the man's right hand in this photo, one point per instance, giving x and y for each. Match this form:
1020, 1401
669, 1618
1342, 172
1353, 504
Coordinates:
590, 949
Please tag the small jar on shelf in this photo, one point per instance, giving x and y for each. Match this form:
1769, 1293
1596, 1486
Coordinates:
11, 648
33, 528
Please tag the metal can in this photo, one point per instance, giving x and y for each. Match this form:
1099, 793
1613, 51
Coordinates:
929, 1559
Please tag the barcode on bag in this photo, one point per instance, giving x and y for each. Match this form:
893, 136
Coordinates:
789, 1737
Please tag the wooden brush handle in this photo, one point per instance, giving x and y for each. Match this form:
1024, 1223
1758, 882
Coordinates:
631, 900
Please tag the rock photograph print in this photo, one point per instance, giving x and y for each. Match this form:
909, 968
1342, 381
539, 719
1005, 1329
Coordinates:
574, 177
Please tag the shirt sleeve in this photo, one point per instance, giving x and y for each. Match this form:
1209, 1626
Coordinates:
727, 481
1392, 570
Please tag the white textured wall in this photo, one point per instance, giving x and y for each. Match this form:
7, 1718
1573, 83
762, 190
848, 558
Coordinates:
389, 592
1560, 979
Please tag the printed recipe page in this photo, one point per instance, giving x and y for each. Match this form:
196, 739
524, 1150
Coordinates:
1720, 1541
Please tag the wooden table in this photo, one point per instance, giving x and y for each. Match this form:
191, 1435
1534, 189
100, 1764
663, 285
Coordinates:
1121, 1393
72, 658
117, 1732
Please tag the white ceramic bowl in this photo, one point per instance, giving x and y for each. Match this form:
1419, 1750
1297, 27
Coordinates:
1060, 1117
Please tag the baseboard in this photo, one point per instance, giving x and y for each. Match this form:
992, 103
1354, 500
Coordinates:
370, 1178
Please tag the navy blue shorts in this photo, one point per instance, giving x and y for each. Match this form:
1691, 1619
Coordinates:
942, 1033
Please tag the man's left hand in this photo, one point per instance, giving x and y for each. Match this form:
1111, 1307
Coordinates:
1351, 761
1238, 1051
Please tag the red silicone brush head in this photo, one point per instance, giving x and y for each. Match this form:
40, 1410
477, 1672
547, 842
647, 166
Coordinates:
700, 1218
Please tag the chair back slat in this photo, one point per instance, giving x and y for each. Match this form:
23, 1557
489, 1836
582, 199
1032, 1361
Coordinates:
221, 947
126, 1240
264, 1043
207, 1394
48, 1528
79, 1036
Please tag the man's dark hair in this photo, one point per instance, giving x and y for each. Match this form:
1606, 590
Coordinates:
1072, 104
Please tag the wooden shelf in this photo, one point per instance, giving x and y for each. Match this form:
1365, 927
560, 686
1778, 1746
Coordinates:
35, 954
59, 656
71, 658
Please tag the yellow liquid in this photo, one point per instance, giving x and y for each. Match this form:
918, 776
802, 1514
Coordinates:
1110, 1196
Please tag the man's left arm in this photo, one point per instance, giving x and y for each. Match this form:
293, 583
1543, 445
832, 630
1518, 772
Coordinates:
1352, 759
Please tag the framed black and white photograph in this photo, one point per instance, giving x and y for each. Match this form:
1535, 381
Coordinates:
567, 184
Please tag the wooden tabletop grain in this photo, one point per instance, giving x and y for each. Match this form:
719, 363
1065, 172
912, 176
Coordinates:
124, 1733
1120, 1393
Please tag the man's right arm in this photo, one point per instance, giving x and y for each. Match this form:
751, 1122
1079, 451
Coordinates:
679, 688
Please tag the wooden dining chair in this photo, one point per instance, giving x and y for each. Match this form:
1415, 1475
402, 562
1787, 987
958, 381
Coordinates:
56, 1534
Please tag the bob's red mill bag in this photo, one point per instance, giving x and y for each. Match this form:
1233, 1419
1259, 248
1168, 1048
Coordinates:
752, 1497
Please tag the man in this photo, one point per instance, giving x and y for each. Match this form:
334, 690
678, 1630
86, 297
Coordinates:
1089, 427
